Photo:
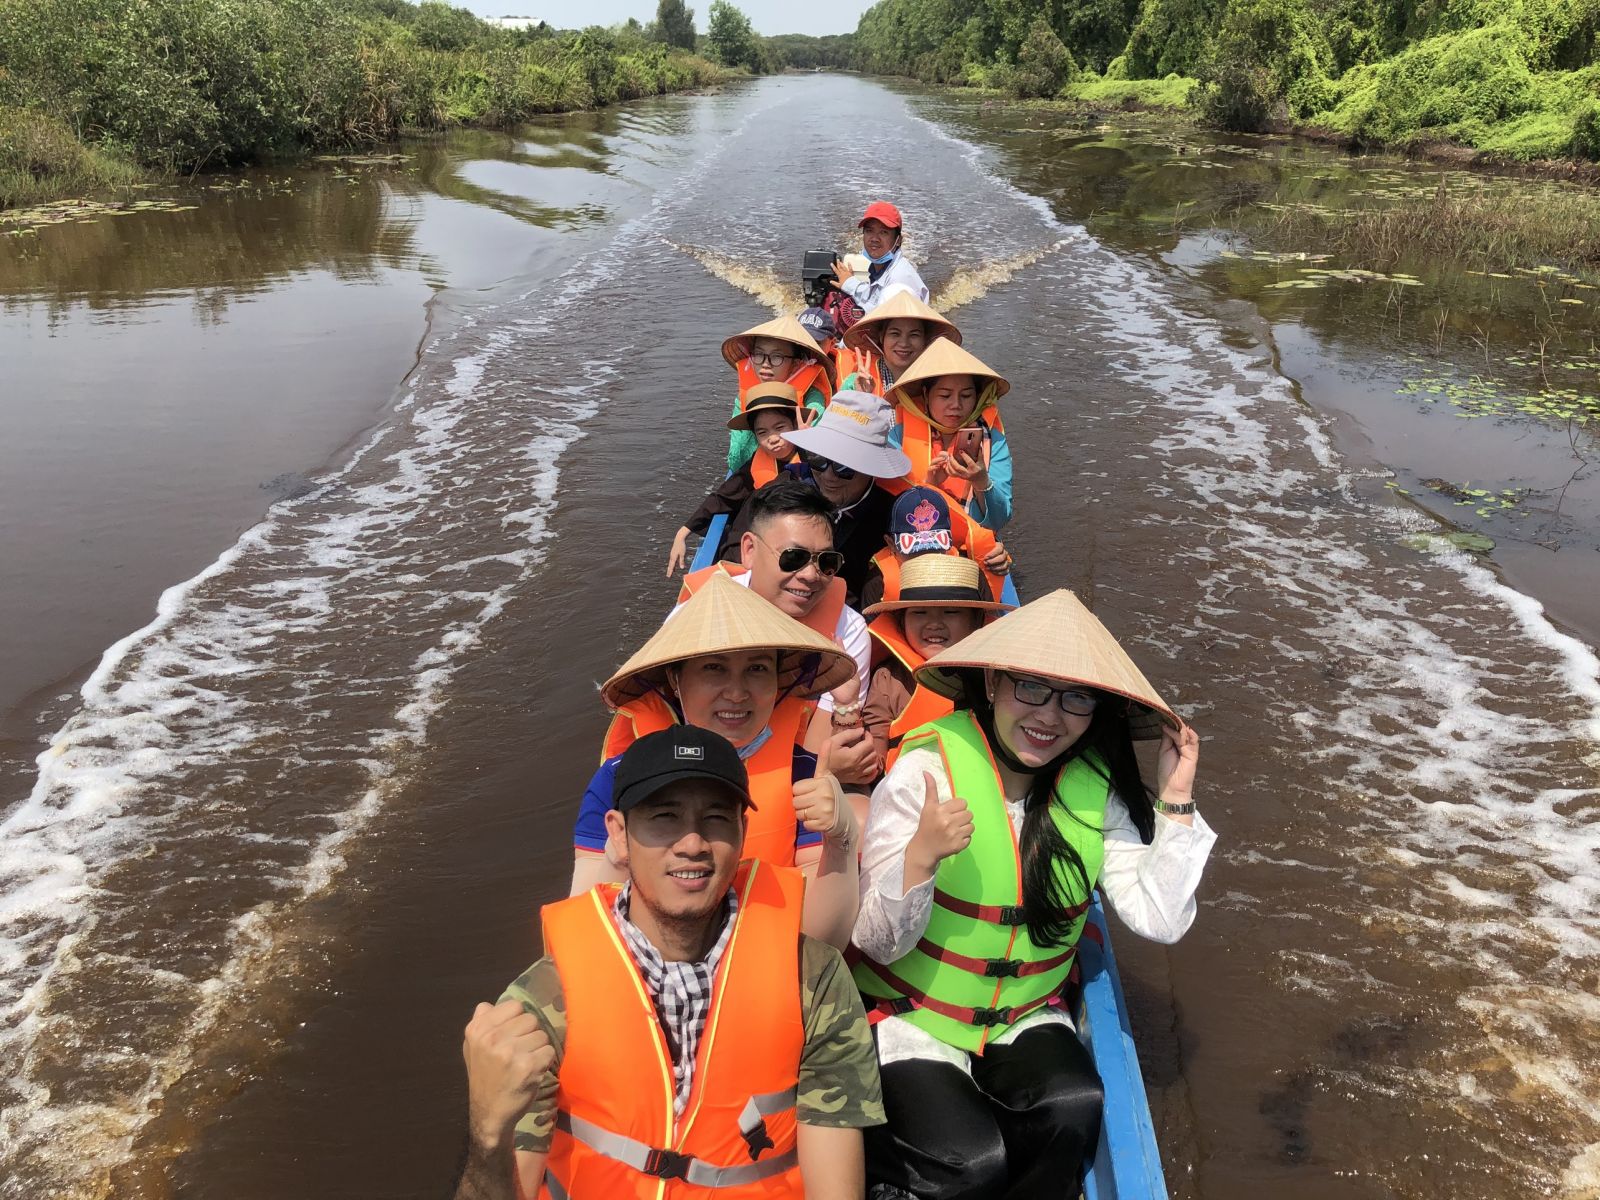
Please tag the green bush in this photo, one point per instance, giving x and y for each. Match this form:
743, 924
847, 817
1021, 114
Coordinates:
1264, 50
37, 151
1044, 65
1586, 130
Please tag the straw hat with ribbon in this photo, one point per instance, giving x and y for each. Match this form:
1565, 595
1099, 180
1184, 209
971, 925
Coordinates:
782, 329
943, 358
902, 305
1054, 637
724, 616
769, 397
939, 581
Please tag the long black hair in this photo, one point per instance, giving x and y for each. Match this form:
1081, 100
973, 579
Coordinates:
1107, 746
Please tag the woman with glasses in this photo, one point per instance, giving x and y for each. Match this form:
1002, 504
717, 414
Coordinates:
777, 351
982, 847
732, 663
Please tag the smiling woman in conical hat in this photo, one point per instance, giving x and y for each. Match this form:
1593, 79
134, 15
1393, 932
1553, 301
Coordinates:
776, 351
950, 429
884, 343
984, 844
733, 663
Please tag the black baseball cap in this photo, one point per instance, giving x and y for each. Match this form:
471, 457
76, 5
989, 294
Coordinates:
682, 752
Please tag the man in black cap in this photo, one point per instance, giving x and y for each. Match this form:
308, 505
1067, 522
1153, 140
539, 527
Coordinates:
691, 926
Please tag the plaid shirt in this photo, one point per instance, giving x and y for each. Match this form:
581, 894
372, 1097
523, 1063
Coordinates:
681, 990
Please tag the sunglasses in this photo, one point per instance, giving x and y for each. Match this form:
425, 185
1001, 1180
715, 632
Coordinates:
796, 558
1074, 701
818, 464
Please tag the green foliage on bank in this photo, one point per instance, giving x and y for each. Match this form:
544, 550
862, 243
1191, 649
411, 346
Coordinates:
177, 85
1519, 78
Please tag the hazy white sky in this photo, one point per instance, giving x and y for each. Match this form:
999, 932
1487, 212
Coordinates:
768, 16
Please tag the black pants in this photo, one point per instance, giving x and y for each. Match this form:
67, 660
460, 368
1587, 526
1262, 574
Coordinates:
1022, 1127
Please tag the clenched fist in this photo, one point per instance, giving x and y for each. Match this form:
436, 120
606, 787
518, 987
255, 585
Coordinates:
508, 1053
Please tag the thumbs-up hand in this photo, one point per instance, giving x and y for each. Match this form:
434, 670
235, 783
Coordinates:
508, 1054
819, 802
944, 828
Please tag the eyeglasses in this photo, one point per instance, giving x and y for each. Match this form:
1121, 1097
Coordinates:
797, 558
770, 358
818, 464
1073, 701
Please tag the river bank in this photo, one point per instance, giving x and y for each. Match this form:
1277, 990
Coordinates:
87, 107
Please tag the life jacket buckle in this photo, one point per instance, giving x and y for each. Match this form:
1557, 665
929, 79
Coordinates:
1013, 914
1002, 968
991, 1016
667, 1164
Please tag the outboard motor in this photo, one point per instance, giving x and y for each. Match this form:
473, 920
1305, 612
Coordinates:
816, 276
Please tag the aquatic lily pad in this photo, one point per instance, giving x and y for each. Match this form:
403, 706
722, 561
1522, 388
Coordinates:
1475, 543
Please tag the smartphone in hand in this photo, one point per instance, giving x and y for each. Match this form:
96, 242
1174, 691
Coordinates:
970, 443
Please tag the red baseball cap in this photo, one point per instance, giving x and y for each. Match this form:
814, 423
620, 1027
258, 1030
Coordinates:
881, 210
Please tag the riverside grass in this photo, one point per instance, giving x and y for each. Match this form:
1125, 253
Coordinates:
93, 91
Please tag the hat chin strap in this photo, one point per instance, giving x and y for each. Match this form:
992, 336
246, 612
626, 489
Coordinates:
985, 714
986, 401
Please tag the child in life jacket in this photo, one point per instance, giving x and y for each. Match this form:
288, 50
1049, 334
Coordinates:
951, 430
923, 522
939, 601
777, 351
768, 411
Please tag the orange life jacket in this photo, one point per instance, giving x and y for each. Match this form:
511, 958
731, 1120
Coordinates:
617, 1135
823, 619
812, 375
763, 468
917, 440
770, 829
924, 705
862, 363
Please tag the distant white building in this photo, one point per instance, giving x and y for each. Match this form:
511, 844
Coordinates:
514, 22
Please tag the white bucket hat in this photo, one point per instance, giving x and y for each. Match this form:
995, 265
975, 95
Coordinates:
854, 432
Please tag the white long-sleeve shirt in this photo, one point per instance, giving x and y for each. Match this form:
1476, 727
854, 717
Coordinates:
869, 292
1151, 888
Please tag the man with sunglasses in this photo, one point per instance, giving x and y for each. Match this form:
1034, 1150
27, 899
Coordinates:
786, 556
844, 455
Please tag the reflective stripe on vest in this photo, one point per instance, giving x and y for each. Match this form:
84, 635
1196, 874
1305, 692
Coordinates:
978, 916
769, 830
924, 705
617, 1134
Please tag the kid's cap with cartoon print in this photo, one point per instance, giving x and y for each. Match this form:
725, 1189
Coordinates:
920, 522
671, 755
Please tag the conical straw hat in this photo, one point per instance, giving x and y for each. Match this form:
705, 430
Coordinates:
1054, 637
724, 616
785, 329
901, 306
939, 581
942, 358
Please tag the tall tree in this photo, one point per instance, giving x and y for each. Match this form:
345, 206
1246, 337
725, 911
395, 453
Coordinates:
730, 37
675, 23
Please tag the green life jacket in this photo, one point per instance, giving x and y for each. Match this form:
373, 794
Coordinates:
976, 971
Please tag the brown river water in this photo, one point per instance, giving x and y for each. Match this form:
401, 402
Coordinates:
326, 500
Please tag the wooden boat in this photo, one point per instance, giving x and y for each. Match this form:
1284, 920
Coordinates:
1127, 1163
